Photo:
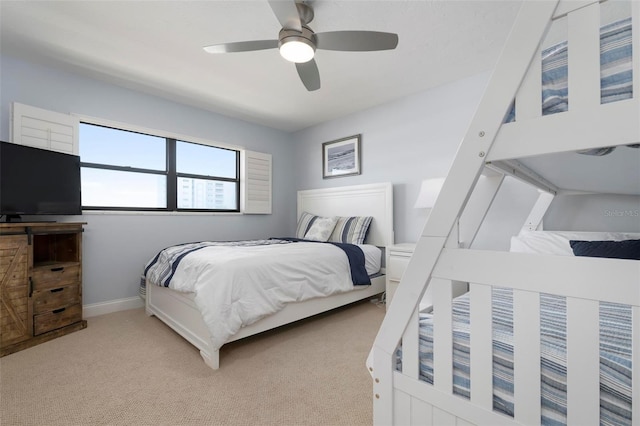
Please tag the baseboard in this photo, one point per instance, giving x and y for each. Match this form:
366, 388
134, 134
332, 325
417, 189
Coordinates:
95, 309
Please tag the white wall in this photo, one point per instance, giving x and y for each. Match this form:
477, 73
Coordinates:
406, 141
116, 246
594, 212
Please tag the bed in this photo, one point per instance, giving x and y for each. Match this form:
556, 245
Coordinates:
549, 332
208, 294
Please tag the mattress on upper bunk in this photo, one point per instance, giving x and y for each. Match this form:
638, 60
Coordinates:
237, 283
616, 70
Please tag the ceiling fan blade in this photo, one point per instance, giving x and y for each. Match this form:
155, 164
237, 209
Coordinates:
356, 41
287, 14
309, 74
242, 46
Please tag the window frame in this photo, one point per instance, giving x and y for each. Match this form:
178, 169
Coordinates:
170, 171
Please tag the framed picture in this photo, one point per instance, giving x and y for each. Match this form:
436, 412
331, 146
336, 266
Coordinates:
341, 157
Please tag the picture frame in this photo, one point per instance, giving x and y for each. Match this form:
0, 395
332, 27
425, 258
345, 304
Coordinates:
341, 157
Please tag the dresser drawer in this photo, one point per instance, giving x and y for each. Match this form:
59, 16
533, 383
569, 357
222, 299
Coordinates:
57, 318
50, 299
396, 266
56, 275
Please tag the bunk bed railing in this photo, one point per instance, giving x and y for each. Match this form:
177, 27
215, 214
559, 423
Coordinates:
588, 123
578, 279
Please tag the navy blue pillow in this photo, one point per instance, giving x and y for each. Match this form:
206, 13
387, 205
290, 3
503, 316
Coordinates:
627, 249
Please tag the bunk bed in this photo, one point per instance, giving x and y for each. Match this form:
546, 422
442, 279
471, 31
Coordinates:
226, 302
548, 332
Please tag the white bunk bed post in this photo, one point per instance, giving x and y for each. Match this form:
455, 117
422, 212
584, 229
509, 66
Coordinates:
635, 378
583, 362
526, 323
477, 207
481, 340
583, 355
534, 220
635, 313
528, 30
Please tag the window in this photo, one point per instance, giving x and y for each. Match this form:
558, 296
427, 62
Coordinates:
126, 170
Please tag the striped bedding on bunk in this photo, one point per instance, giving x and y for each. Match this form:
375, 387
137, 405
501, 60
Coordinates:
616, 79
615, 356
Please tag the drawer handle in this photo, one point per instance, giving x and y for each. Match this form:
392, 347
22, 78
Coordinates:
57, 311
56, 290
60, 268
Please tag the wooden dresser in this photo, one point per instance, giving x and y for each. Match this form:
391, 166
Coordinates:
40, 283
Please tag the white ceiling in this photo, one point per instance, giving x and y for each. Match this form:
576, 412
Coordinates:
156, 47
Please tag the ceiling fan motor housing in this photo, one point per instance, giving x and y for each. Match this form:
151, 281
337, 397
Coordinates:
296, 46
307, 36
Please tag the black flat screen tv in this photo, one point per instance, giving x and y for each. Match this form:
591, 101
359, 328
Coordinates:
37, 181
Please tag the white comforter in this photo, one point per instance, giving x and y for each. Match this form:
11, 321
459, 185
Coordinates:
236, 286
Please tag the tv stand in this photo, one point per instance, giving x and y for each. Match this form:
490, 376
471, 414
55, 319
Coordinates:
40, 283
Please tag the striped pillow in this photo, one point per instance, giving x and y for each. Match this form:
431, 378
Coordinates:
304, 224
352, 230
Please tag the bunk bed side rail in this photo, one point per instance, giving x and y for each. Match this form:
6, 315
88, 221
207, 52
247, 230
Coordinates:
597, 279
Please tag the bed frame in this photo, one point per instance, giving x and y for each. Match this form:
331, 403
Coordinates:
442, 256
179, 311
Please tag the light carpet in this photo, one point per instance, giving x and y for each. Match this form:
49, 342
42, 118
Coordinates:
129, 369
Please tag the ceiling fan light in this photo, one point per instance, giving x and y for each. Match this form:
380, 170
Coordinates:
298, 50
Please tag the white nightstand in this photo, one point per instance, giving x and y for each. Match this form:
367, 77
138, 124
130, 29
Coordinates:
397, 259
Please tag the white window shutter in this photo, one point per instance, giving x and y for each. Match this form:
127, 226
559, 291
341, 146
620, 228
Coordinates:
45, 129
256, 183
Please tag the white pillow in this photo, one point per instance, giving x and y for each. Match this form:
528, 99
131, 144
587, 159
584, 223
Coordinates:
321, 229
557, 242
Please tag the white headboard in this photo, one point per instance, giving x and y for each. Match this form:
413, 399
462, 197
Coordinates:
374, 200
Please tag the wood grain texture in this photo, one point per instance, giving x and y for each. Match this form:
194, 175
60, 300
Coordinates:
40, 283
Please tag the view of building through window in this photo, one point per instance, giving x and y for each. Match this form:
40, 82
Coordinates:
125, 170
205, 194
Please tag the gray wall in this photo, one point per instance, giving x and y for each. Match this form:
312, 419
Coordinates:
416, 138
117, 245
594, 213
403, 142
407, 141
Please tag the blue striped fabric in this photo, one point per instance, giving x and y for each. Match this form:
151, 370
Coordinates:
615, 356
615, 70
304, 224
351, 230
348, 229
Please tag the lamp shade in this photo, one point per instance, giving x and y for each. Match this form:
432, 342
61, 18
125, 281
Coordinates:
429, 191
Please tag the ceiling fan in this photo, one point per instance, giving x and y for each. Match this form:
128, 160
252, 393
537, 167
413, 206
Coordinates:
297, 42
